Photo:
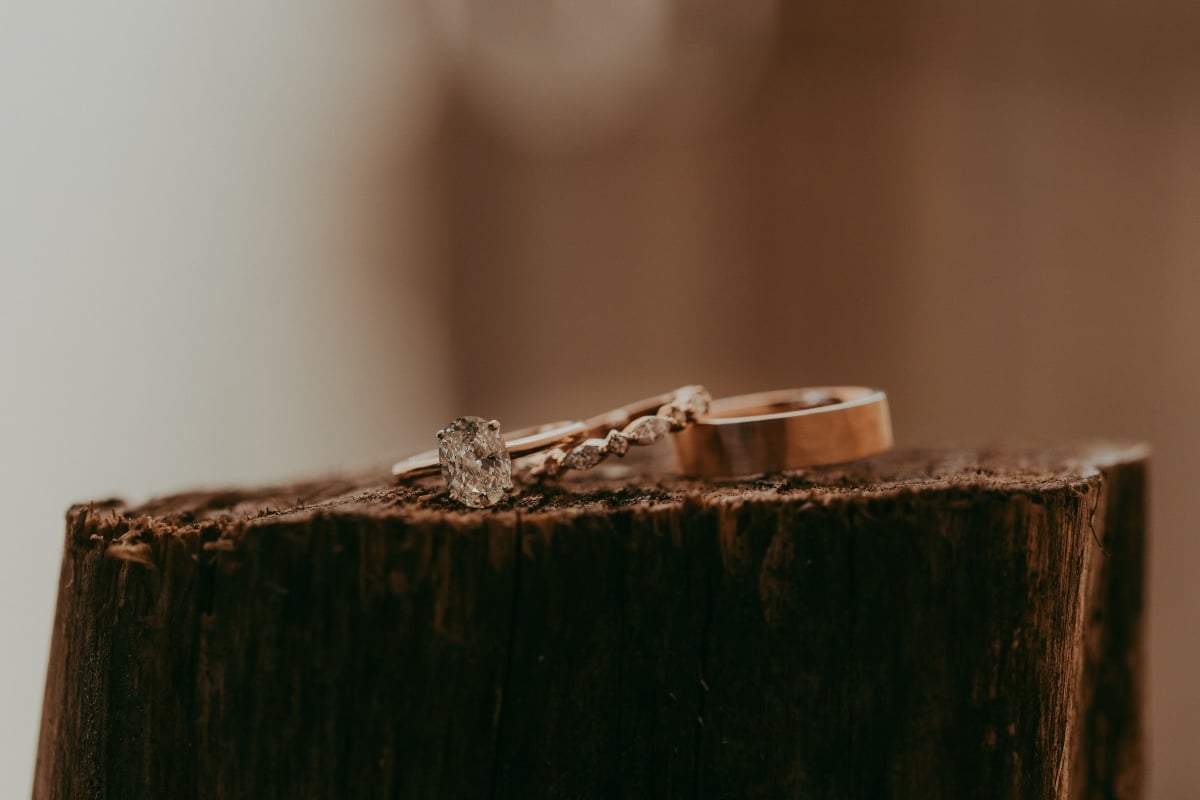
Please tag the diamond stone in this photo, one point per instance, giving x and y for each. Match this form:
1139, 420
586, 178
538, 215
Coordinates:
586, 455
689, 403
552, 462
474, 461
697, 402
647, 430
616, 443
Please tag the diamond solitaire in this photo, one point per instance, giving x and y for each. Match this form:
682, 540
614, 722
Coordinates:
475, 461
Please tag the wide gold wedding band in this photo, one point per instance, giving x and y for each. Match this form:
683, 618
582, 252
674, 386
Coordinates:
788, 429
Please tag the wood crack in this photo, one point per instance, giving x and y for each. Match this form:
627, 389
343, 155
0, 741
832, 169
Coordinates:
510, 645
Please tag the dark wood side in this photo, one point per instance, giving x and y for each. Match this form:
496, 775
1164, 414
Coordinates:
925, 624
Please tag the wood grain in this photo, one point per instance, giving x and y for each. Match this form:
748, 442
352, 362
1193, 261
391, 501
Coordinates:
920, 625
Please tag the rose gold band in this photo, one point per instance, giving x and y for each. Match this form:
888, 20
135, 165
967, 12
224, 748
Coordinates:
774, 431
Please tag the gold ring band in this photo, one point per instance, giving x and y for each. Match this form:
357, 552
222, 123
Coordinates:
774, 431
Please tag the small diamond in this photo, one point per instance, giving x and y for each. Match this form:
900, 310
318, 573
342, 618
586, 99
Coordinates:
586, 455
647, 430
676, 414
551, 464
616, 443
475, 462
688, 403
697, 402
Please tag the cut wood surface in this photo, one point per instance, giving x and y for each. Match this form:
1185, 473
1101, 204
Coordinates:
924, 624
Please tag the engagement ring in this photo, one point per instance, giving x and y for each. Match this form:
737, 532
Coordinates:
476, 462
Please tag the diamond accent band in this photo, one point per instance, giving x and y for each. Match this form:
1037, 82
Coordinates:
680, 411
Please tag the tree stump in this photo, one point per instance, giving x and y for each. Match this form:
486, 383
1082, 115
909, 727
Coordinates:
924, 624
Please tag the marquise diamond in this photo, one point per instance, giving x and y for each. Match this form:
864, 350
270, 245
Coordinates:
586, 455
647, 430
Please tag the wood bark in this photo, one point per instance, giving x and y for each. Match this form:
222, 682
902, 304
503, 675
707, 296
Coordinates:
925, 624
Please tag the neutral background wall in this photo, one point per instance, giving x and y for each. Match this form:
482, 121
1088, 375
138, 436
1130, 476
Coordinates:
240, 244
214, 269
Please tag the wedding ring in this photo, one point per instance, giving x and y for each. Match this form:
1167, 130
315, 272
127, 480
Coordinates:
476, 462
775, 431
613, 432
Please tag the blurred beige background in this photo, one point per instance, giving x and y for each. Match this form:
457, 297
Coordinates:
246, 243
